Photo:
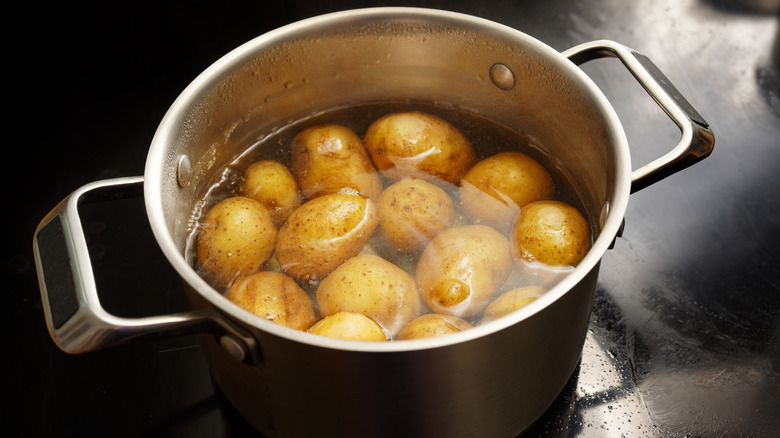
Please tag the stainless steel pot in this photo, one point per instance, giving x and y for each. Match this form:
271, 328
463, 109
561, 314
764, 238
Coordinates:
493, 380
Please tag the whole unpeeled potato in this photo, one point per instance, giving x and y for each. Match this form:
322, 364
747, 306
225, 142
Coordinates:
372, 286
508, 302
351, 326
323, 233
411, 212
493, 191
431, 325
418, 145
236, 238
272, 184
550, 232
460, 270
330, 158
275, 297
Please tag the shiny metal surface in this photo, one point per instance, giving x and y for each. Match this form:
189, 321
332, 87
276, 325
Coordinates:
696, 142
496, 378
685, 333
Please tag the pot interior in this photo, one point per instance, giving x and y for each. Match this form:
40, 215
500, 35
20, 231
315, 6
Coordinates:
374, 56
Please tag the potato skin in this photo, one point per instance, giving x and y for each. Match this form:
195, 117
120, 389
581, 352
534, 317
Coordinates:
411, 212
431, 325
323, 233
272, 184
508, 302
330, 158
351, 326
372, 286
550, 232
236, 238
493, 191
418, 145
275, 297
461, 269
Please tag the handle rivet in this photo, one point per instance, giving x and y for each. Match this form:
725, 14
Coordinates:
233, 347
502, 76
183, 170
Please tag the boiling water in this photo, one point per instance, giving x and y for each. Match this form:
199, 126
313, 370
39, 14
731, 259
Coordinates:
487, 137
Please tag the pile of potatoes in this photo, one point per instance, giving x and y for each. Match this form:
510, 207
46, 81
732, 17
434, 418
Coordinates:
292, 245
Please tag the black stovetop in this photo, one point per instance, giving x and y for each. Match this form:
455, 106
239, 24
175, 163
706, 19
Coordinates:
684, 338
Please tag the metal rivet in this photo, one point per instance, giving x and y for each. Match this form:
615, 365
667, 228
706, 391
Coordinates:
502, 76
183, 170
233, 347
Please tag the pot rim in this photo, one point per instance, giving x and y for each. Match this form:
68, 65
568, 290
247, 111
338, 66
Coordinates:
615, 210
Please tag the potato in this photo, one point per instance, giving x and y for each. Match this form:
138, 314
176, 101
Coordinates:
349, 325
418, 145
411, 212
275, 297
508, 302
330, 158
372, 286
461, 269
272, 184
236, 238
431, 325
493, 191
323, 233
550, 232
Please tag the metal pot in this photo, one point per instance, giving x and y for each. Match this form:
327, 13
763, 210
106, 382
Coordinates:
493, 380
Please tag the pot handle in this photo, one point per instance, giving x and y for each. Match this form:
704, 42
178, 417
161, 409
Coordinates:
697, 140
75, 318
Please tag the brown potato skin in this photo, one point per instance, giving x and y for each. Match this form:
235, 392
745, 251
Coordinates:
432, 325
275, 297
351, 326
493, 191
411, 212
236, 238
512, 300
550, 232
418, 145
272, 184
372, 286
330, 158
323, 233
460, 270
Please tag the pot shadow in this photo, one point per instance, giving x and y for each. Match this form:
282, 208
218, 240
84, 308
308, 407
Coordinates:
212, 416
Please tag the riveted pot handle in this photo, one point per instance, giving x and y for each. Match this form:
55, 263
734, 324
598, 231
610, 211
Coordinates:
76, 320
697, 140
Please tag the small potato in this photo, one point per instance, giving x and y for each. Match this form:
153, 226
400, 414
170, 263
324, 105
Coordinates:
418, 145
348, 325
372, 286
508, 302
323, 233
275, 297
272, 184
431, 325
550, 232
460, 270
236, 238
494, 190
330, 158
411, 212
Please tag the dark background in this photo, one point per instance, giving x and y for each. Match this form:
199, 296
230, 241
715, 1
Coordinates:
687, 312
